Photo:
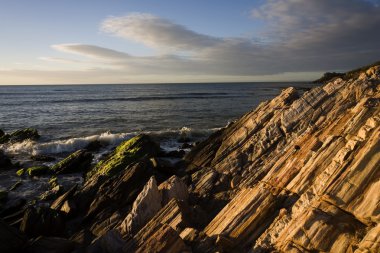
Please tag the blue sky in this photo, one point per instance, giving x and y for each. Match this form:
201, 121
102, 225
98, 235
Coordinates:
122, 41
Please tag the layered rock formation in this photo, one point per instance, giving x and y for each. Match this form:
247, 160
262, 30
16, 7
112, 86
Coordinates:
300, 173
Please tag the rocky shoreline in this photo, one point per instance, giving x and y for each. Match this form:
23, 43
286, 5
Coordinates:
300, 173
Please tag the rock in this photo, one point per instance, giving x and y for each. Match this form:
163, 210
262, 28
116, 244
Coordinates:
5, 162
59, 202
44, 244
128, 152
189, 234
42, 221
94, 146
51, 194
36, 171
20, 172
10, 239
164, 165
20, 135
78, 161
1, 133
15, 186
118, 192
69, 207
42, 158
173, 188
174, 154
12, 206
146, 205
186, 145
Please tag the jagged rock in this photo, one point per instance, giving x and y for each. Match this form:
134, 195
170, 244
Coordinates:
118, 192
175, 215
128, 152
174, 187
51, 194
146, 205
59, 202
69, 207
307, 168
10, 239
42, 221
5, 162
20, 135
51, 245
78, 161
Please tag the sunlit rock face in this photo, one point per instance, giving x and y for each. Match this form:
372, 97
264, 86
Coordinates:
308, 169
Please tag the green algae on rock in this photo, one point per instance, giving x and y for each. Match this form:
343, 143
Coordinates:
37, 171
20, 135
126, 153
76, 162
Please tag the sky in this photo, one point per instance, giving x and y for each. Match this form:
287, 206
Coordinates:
169, 41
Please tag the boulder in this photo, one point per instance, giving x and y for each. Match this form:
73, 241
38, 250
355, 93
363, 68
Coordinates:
173, 188
42, 158
78, 161
146, 205
128, 152
12, 206
11, 240
42, 221
20, 135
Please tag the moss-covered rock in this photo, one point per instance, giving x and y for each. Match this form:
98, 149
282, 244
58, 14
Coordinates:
37, 171
126, 153
78, 161
20, 135
20, 172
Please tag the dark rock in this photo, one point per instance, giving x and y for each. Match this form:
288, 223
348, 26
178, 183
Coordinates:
5, 162
128, 152
176, 153
119, 192
51, 194
38, 171
78, 161
3, 195
20, 135
51, 245
94, 146
15, 186
184, 139
186, 145
11, 240
42, 158
328, 76
1, 133
12, 206
42, 221
164, 166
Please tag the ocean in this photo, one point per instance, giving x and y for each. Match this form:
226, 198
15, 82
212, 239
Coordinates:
69, 117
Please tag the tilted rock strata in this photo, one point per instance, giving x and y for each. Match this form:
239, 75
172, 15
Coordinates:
309, 167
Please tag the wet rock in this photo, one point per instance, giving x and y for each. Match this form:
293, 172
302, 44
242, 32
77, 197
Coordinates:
37, 171
5, 162
11, 240
1, 133
128, 152
12, 206
59, 202
20, 135
186, 145
78, 161
146, 205
94, 146
3, 195
51, 194
42, 221
15, 186
44, 244
20, 172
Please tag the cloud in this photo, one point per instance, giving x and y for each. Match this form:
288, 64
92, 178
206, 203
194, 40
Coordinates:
91, 51
297, 36
156, 32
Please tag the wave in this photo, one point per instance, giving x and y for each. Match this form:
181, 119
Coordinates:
167, 138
